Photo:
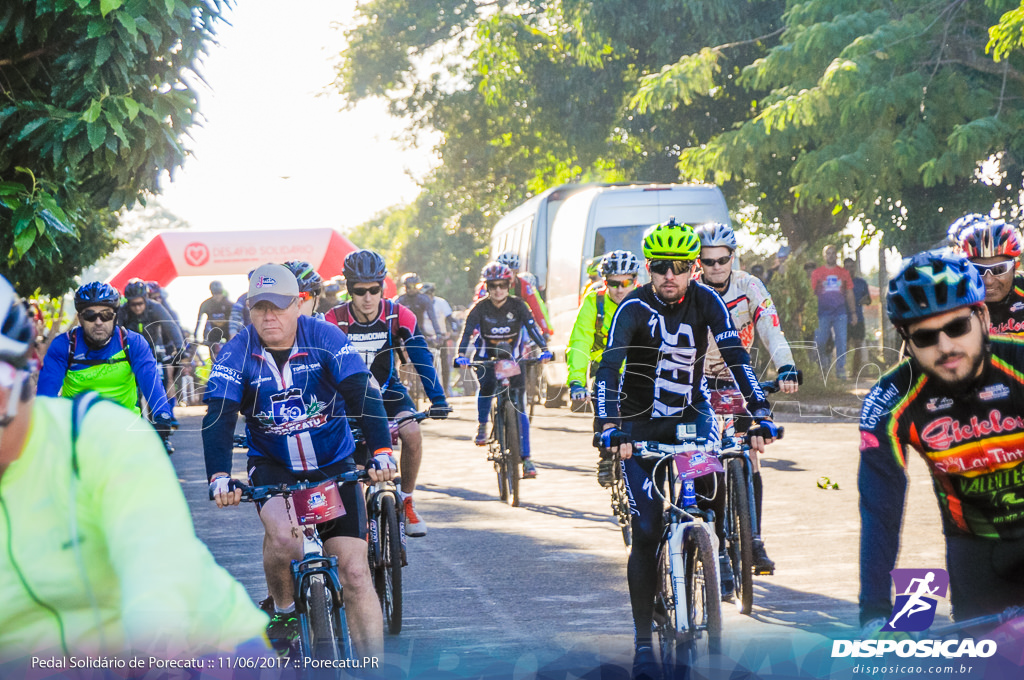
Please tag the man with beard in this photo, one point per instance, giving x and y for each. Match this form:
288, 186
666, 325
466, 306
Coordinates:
100, 357
957, 400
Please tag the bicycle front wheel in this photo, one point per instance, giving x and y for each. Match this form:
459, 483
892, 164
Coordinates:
740, 537
665, 614
323, 642
703, 594
498, 454
513, 451
389, 586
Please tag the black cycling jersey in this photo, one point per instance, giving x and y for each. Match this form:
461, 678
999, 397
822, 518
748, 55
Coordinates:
500, 325
972, 440
155, 324
421, 305
218, 316
664, 346
1007, 315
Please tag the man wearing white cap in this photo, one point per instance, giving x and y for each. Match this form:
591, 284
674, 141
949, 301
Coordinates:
295, 379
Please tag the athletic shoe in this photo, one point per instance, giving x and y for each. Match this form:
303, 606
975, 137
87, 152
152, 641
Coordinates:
481, 435
283, 629
645, 665
727, 579
529, 469
414, 526
763, 566
606, 472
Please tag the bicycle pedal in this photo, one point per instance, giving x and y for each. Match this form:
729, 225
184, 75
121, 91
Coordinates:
761, 571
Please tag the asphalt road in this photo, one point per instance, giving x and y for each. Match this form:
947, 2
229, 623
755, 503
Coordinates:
495, 591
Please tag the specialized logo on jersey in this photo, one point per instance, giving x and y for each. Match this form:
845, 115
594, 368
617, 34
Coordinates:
674, 373
289, 414
264, 281
917, 593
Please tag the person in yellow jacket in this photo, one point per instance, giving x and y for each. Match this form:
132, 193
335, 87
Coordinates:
618, 270
98, 556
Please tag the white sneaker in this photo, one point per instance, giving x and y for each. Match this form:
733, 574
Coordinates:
414, 526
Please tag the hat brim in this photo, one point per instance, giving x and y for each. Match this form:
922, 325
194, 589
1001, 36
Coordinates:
276, 299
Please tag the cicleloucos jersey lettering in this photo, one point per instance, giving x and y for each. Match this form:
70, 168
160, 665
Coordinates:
1007, 315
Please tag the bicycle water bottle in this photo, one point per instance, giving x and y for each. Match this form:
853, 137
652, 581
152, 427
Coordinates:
689, 494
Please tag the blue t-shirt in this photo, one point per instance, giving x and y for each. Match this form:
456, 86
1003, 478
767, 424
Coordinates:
860, 291
293, 414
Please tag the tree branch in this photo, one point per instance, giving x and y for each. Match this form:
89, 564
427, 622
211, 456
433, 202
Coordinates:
29, 55
752, 40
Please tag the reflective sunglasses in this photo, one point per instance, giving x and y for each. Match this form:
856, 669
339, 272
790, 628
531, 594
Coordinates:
662, 267
360, 292
619, 284
954, 329
708, 262
997, 269
497, 284
106, 315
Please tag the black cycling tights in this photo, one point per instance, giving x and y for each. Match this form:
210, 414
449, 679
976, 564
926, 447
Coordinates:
985, 576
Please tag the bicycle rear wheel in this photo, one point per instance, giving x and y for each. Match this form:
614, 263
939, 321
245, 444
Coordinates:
389, 587
323, 642
620, 506
513, 451
740, 536
703, 595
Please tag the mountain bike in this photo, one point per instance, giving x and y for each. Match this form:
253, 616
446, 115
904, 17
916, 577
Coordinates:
319, 602
740, 521
688, 607
386, 551
505, 446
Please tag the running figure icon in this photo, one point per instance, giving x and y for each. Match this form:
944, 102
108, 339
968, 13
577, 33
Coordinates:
917, 602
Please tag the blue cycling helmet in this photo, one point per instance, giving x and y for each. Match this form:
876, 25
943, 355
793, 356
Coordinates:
364, 266
97, 293
308, 278
135, 288
930, 283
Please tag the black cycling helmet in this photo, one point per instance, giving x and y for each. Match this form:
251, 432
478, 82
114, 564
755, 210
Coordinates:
97, 293
428, 287
364, 266
308, 278
216, 287
135, 288
17, 329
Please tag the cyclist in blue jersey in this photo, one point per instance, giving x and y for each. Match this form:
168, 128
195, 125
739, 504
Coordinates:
379, 329
101, 357
295, 380
661, 332
957, 400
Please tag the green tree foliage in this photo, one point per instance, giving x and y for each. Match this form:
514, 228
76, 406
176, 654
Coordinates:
94, 109
873, 109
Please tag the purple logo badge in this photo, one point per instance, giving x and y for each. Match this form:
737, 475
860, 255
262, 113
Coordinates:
917, 593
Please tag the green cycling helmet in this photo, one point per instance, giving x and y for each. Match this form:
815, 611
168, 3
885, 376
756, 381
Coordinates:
671, 241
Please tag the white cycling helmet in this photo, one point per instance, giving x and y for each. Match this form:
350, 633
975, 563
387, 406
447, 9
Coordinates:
509, 259
716, 234
619, 263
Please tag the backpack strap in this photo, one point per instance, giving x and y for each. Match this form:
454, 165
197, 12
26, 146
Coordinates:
80, 406
73, 344
599, 320
343, 316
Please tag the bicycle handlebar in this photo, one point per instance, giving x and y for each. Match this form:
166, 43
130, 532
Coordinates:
252, 494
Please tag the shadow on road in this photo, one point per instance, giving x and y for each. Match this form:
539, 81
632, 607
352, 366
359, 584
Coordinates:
815, 613
781, 464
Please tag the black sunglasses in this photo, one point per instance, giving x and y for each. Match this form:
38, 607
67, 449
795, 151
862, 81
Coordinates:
954, 329
105, 316
662, 267
497, 284
619, 284
708, 262
360, 292
997, 269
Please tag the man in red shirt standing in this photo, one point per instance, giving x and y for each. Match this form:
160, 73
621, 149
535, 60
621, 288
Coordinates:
834, 288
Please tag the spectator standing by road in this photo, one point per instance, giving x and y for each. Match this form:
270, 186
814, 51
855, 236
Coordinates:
857, 334
834, 288
442, 337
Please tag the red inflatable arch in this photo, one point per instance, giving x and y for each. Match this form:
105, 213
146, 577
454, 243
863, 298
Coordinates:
212, 253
